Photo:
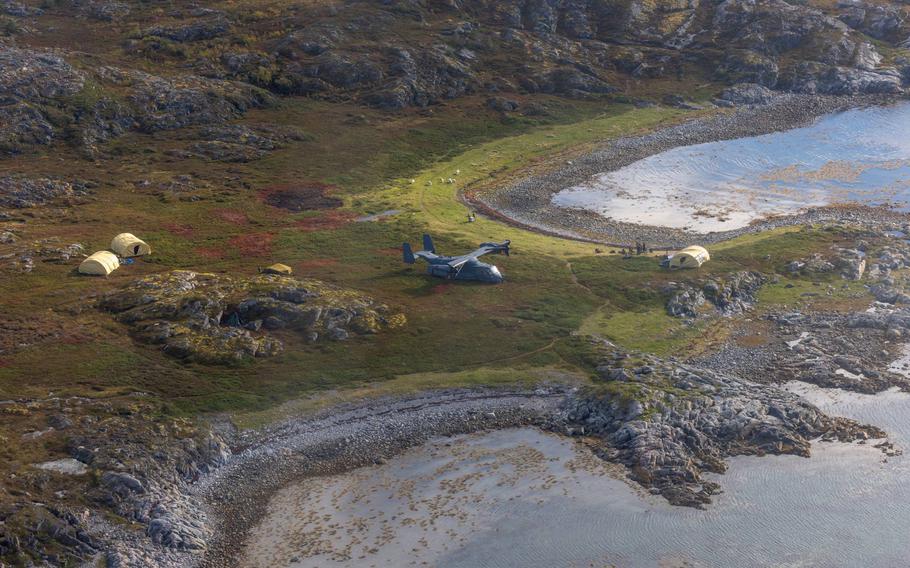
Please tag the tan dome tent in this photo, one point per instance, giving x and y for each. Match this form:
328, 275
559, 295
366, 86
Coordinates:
690, 257
278, 268
101, 263
127, 245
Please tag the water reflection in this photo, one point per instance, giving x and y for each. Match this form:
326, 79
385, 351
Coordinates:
524, 498
860, 156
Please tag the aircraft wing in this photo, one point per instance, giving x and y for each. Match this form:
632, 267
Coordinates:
487, 248
460, 261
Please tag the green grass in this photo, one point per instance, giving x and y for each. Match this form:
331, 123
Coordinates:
651, 330
457, 332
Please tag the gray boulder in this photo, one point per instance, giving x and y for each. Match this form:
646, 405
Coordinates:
747, 94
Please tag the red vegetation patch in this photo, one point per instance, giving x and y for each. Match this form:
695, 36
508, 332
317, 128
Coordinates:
316, 263
232, 216
327, 221
180, 230
21, 333
442, 288
253, 244
303, 196
74, 338
211, 253
392, 251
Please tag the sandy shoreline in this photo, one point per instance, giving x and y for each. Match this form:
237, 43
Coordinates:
527, 203
345, 438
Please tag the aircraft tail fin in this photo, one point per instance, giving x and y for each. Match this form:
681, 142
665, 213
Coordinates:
408, 253
428, 244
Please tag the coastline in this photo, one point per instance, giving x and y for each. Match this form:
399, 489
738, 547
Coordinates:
347, 437
527, 203
232, 499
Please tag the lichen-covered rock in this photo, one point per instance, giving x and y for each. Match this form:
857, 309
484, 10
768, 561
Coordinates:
33, 75
22, 256
747, 94
161, 103
23, 126
20, 192
106, 10
220, 319
735, 293
208, 28
685, 302
18, 9
45, 98
730, 295
240, 143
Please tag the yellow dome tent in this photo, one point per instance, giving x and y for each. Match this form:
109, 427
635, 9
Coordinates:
127, 245
690, 257
278, 268
101, 263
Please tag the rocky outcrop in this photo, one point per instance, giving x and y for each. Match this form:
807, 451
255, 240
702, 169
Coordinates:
669, 423
684, 301
22, 256
160, 103
850, 263
881, 21
34, 76
117, 475
736, 293
24, 126
501, 51
241, 143
220, 319
571, 48
202, 29
851, 350
47, 99
20, 192
29, 80
106, 10
731, 295
745, 94
18, 9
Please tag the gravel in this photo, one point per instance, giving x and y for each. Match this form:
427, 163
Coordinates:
346, 438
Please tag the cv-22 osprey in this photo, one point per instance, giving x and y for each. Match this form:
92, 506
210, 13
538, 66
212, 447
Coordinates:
464, 267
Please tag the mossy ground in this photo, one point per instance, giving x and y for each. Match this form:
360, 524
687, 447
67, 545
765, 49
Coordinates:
554, 287
457, 332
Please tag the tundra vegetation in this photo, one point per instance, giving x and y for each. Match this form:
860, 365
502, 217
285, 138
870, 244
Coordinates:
240, 134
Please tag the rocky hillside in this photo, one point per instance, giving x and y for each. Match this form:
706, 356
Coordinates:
153, 68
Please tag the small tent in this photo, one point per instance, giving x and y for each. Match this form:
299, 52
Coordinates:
690, 257
278, 268
101, 263
127, 245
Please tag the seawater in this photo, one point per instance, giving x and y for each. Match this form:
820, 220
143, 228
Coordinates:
861, 156
521, 497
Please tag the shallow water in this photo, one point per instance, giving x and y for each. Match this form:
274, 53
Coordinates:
860, 156
524, 498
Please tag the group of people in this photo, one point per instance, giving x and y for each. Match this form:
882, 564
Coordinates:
640, 248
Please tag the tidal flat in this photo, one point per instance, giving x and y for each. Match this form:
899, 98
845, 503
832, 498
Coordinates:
523, 497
